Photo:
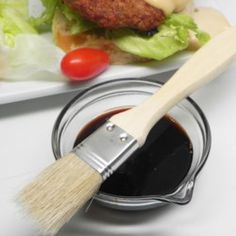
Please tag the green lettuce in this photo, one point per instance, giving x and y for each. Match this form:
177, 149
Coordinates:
14, 20
20, 5
32, 58
45, 19
172, 37
77, 24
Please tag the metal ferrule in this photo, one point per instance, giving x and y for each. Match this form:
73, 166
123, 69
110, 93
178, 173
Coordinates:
106, 149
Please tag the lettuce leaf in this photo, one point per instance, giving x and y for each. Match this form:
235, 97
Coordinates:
45, 19
76, 23
20, 5
34, 57
14, 20
172, 37
24, 54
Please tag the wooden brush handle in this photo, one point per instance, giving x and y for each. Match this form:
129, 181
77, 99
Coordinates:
205, 65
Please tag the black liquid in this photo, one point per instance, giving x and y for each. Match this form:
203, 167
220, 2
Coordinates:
157, 168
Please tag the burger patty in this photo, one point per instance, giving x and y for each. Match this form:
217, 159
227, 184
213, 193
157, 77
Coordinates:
113, 14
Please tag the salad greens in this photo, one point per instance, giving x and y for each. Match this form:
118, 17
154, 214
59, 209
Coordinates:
45, 19
33, 57
77, 23
14, 20
25, 54
172, 36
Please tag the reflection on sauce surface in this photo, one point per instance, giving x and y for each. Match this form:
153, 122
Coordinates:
157, 168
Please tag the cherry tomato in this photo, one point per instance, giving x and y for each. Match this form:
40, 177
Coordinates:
84, 63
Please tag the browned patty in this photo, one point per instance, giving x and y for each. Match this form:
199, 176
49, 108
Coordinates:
136, 14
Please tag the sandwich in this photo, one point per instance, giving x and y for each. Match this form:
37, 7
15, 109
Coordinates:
130, 31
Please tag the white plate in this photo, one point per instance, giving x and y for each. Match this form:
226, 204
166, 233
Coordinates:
18, 91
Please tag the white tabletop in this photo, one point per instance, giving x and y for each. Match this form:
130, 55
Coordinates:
25, 132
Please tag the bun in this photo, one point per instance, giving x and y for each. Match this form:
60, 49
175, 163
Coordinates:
68, 42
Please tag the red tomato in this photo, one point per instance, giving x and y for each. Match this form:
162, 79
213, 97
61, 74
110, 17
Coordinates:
84, 63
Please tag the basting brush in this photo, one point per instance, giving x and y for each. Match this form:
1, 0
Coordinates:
65, 186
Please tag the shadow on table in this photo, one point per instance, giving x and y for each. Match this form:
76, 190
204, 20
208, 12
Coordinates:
35, 105
101, 221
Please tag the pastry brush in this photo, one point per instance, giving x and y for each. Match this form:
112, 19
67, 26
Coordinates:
65, 186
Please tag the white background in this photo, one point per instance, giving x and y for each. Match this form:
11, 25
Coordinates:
25, 149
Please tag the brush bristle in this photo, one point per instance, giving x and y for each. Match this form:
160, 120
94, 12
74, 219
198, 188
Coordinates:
59, 191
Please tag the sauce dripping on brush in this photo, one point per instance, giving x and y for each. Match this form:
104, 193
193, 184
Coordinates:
156, 168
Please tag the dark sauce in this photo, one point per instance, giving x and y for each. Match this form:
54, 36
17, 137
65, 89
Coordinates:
156, 168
